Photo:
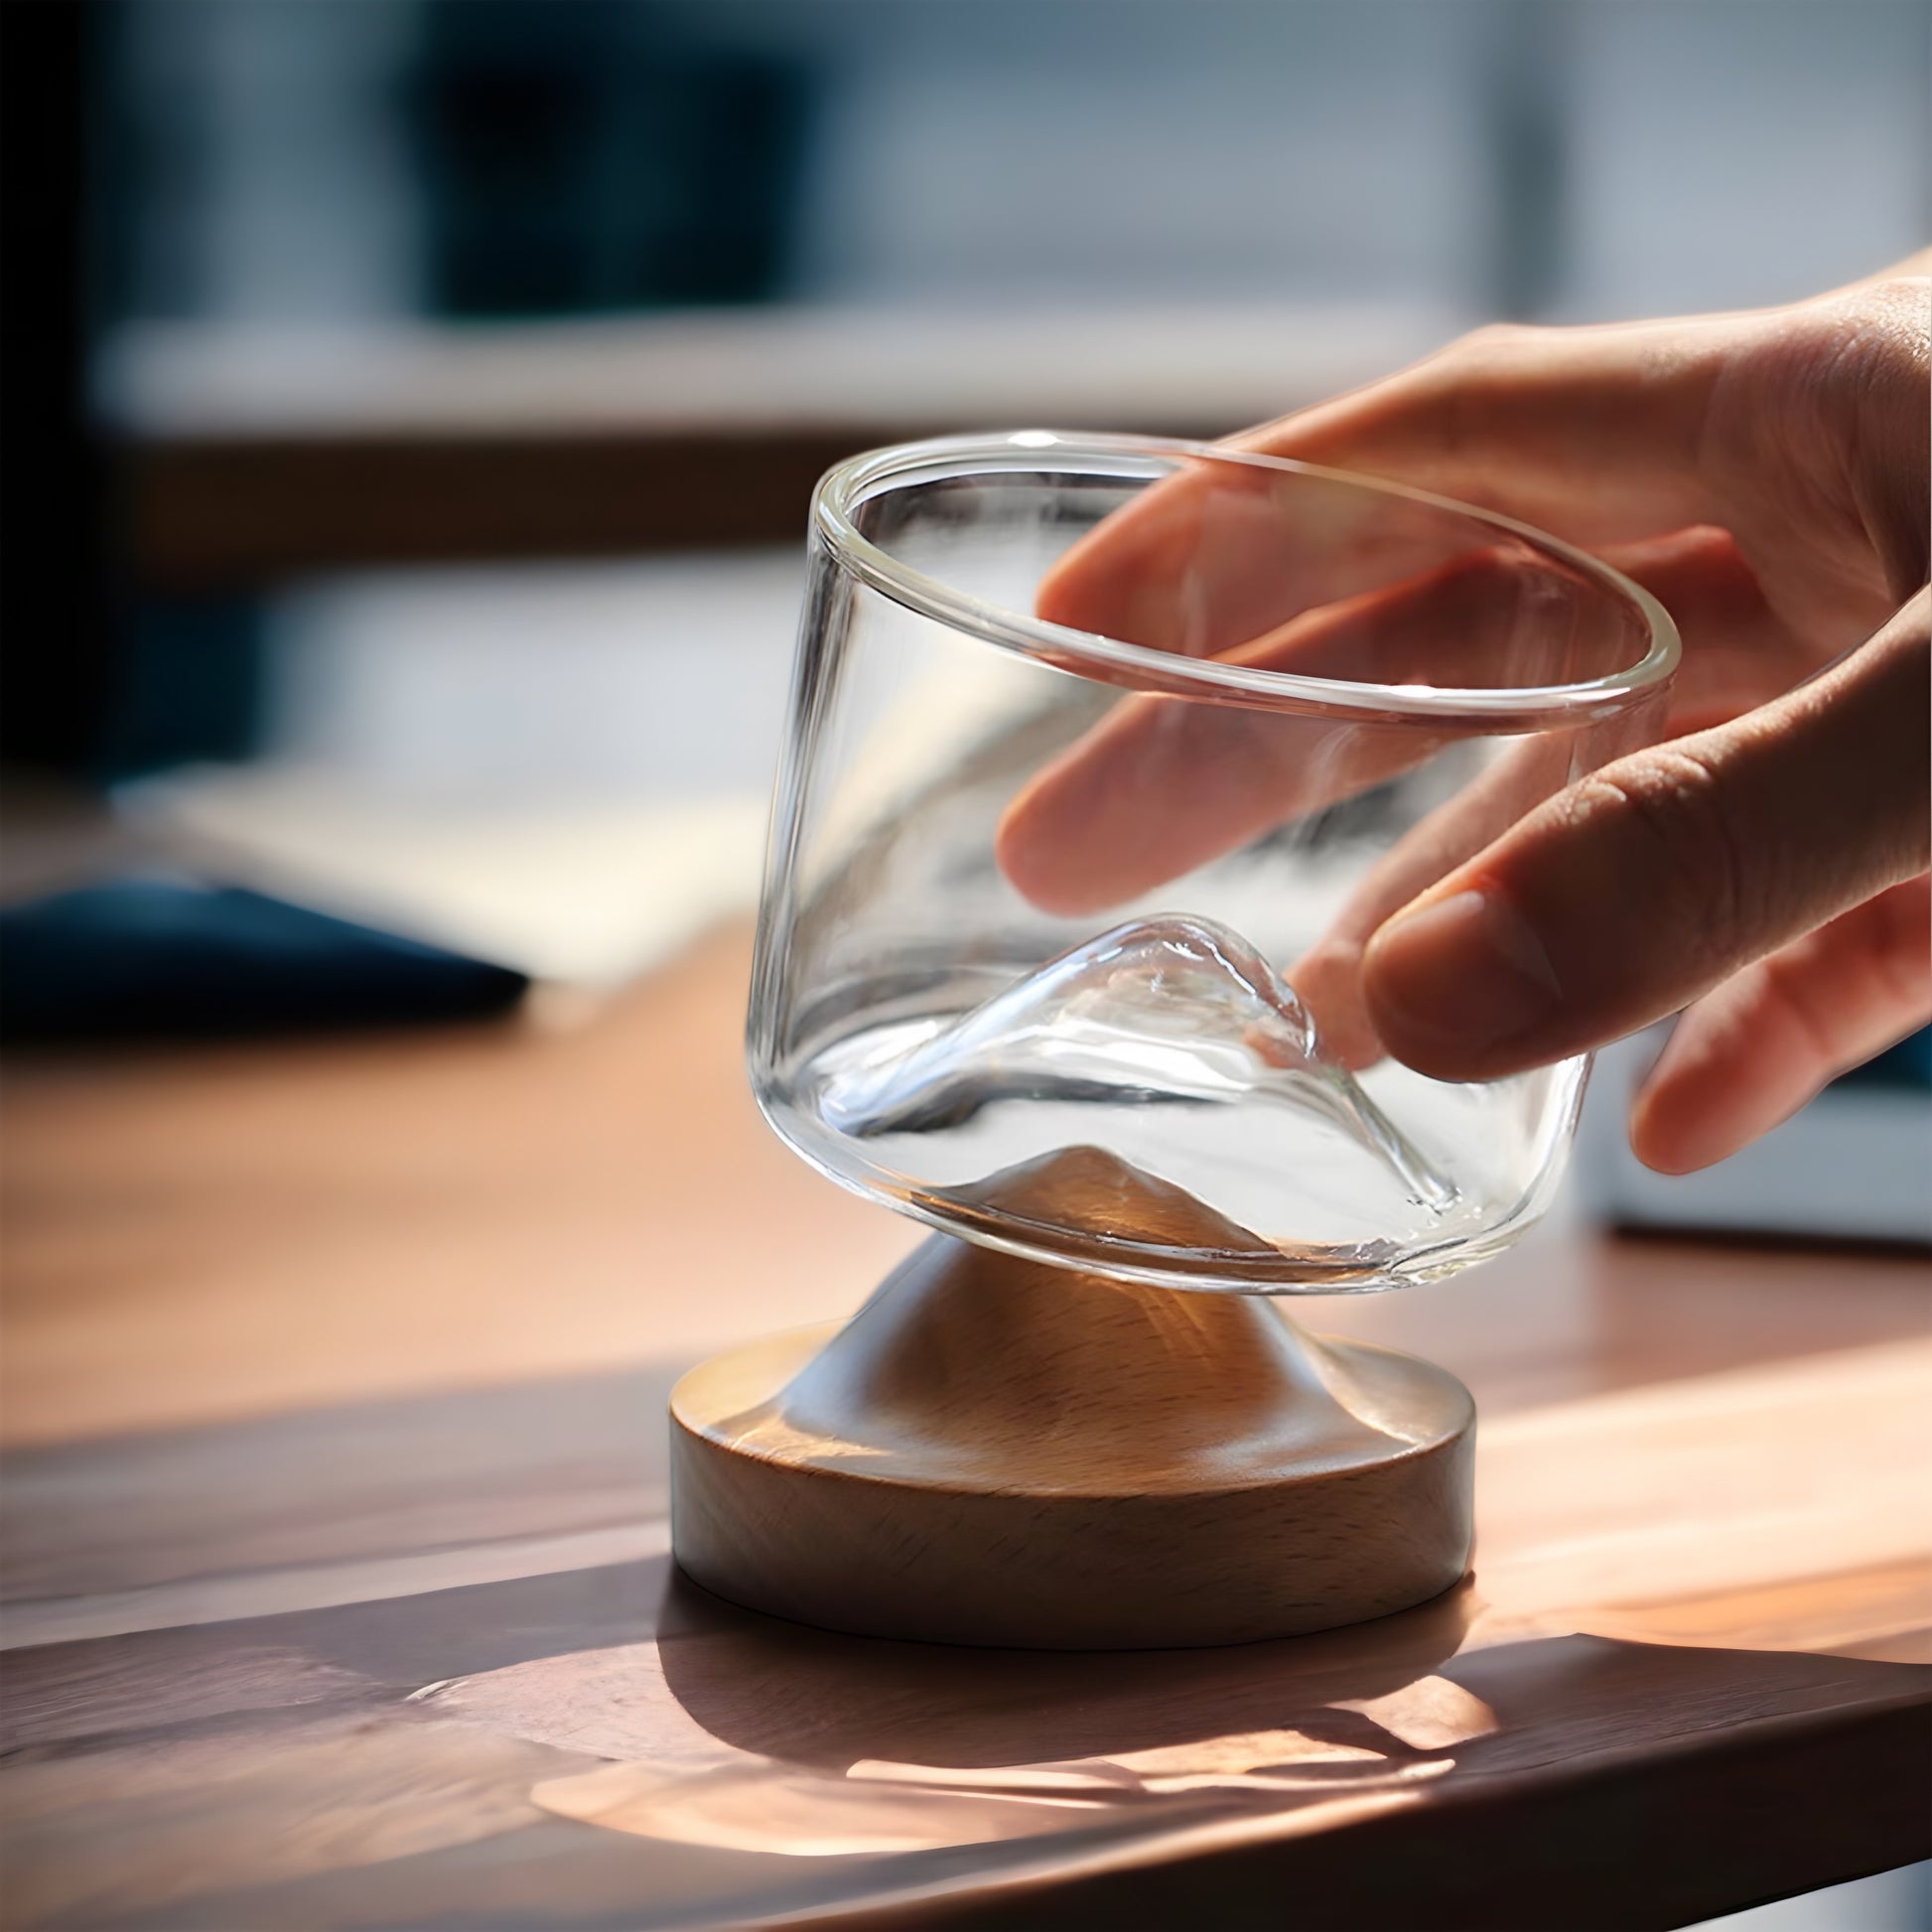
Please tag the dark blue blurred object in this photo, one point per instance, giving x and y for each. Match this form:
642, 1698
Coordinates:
152, 959
591, 156
1909, 1065
188, 684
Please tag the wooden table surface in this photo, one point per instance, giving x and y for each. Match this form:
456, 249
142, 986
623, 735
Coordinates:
337, 1590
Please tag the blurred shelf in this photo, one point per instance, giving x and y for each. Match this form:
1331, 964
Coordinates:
259, 452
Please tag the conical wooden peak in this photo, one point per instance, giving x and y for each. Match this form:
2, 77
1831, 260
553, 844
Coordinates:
969, 1364
1087, 1190
1093, 1210
1032, 1371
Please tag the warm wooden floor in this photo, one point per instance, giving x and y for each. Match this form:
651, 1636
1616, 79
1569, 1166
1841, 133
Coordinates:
337, 1587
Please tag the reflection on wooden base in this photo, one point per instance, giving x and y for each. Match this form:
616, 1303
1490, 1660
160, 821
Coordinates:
997, 1452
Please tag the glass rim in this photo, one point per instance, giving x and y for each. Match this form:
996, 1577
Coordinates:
848, 483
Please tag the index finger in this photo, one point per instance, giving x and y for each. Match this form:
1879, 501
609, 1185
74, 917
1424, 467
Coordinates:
1589, 433
1162, 784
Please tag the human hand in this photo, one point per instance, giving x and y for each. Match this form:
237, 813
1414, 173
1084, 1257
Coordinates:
1765, 475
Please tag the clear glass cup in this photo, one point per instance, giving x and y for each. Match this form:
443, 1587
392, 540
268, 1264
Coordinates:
1105, 755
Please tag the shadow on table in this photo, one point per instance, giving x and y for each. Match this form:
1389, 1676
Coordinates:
813, 1697
613, 1746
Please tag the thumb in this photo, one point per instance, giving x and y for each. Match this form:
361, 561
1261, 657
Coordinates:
1650, 881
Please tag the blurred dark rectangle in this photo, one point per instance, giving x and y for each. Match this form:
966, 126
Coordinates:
247, 512
579, 159
55, 506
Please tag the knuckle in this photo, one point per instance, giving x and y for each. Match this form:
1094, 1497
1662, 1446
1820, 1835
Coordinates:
1905, 979
1694, 855
1493, 342
1814, 1020
1462, 384
1854, 363
1874, 339
1891, 310
1901, 952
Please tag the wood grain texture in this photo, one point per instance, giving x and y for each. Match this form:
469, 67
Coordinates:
1595, 1733
998, 1452
340, 1594
204, 1235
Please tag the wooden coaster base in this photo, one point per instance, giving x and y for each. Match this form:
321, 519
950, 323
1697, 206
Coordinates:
998, 1452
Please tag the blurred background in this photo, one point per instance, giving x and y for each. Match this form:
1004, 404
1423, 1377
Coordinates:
412, 404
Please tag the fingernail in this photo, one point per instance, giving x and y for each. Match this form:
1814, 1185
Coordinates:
1460, 977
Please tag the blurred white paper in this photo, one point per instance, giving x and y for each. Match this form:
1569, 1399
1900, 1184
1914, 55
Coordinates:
591, 892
